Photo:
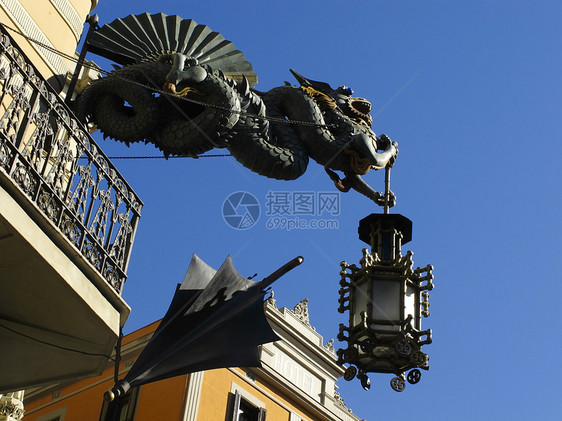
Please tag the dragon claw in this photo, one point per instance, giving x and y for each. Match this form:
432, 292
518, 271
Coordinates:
381, 200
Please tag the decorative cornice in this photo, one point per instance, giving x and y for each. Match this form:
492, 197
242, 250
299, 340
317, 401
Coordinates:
27, 26
70, 15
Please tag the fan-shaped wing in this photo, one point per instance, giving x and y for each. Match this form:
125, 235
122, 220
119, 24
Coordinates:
146, 37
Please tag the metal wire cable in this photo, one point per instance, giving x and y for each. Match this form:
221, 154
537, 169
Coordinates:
93, 354
163, 157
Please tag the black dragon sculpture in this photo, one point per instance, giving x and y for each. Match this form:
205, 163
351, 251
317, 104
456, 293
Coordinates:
190, 92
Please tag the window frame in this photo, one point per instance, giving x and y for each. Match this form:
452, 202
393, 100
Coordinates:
238, 398
58, 415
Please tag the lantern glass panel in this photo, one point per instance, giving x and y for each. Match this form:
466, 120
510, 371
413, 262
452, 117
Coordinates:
386, 300
410, 303
360, 302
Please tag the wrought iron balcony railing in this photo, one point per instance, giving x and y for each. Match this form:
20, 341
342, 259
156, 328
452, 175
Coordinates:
57, 166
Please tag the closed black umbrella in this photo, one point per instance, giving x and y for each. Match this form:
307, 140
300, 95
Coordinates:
216, 319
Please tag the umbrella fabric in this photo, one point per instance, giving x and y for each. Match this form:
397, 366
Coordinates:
216, 319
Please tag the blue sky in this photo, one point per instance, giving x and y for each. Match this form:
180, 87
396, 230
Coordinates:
471, 92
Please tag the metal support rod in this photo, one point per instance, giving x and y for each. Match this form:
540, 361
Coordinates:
386, 188
93, 21
117, 356
281, 271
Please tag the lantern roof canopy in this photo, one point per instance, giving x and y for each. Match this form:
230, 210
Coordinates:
399, 222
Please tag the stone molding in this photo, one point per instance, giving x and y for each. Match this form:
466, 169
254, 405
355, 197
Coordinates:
70, 15
192, 395
302, 362
27, 25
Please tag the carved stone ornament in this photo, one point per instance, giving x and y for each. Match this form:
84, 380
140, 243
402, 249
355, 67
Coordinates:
338, 400
271, 300
301, 311
330, 346
11, 406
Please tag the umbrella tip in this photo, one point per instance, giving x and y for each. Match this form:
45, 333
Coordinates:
119, 389
109, 396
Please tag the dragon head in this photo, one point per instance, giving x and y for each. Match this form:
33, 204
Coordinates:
365, 147
358, 109
185, 69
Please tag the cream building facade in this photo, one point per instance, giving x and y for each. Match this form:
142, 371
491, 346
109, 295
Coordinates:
67, 217
55, 24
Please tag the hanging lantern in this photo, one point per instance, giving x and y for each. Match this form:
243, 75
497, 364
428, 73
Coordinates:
386, 299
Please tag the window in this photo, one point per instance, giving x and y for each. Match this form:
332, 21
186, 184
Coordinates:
58, 415
121, 409
244, 410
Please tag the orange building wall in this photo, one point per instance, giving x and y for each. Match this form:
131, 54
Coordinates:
214, 397
83, 400
161, 400
165, 399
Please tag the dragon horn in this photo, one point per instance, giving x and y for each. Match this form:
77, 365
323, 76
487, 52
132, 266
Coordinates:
319, 86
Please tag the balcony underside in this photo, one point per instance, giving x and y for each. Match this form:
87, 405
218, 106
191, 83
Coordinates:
52, 316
